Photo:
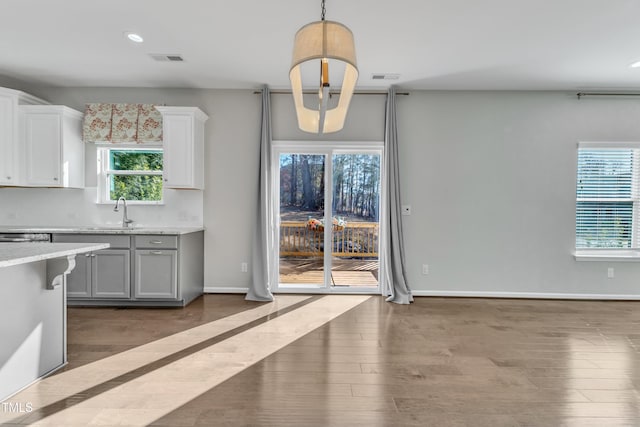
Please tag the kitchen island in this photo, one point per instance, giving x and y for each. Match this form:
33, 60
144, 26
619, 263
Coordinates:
33, 309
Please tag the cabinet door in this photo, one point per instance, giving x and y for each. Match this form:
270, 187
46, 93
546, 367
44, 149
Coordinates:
156, 274
42, 133
8, 142
110, 273
178, 151
79, 280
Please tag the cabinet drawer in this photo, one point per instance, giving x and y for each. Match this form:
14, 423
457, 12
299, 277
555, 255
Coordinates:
116, 242
156, 242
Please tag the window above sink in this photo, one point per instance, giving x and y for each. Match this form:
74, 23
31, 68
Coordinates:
131, 172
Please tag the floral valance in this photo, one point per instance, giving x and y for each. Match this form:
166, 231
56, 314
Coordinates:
118, 123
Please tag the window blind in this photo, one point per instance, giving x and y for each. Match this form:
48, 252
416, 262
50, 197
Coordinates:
606, 197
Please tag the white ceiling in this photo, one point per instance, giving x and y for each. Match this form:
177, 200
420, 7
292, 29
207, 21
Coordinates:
432, 44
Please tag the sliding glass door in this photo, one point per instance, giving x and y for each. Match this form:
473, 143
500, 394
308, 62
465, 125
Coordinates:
355, 209
328, 214
302, 218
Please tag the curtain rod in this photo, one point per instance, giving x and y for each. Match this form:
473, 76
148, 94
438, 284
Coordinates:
312, 92
581, 94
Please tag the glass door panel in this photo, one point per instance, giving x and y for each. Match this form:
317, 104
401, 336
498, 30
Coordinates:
355, 216
302, 220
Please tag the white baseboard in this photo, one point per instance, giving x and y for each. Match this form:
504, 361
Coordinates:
225, 290
530, 295
471, 294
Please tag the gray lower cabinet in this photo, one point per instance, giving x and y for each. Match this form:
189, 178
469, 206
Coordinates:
101, 274
104, 274
147, 270
79, 280
111, 273
156, 273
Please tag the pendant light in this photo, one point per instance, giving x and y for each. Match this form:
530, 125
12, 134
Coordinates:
323, 41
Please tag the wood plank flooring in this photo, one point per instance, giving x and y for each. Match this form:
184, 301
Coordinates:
344, 272
436, 362
338, 278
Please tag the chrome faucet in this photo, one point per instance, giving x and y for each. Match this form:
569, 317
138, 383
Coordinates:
126, 222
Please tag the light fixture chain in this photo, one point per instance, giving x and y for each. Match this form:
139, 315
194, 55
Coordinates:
324, 11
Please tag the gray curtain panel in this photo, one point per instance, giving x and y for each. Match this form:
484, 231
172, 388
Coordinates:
396, 286
262, 267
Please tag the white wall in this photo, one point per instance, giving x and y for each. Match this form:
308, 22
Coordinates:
73, 207
226, 207
490, 177
63, 207
230, 199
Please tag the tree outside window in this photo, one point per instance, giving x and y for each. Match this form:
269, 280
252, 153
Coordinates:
135, 174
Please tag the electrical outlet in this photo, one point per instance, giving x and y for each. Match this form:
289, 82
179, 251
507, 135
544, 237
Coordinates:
425, 269
244, 267
610, 273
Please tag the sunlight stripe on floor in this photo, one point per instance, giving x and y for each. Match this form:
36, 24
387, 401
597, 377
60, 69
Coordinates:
154, 395
76, 381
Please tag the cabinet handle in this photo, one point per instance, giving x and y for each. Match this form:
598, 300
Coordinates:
87, 255
93, 255
55, 179
8, 177
165, 180
156, 252
156, 242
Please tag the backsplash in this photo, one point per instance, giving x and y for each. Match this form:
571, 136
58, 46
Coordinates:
69, 207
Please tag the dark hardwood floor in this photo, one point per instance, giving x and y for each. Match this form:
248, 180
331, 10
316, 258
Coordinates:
436, 362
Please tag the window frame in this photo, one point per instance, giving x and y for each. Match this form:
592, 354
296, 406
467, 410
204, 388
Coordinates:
105, 173
613, 253
328, 148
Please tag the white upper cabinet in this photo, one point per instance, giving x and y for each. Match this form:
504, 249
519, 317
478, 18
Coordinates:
51, 138
10, 158
8, 145
183, 145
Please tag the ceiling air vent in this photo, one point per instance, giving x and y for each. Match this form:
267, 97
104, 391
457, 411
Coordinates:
162, 57
383, 76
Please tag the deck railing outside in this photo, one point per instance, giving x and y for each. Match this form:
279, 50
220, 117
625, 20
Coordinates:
354, 240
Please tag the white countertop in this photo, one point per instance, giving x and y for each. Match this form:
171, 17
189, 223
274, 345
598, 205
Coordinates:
22, 253
97, 229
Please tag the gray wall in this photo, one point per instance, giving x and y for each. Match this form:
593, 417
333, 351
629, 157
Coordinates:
490, 177
231, 159
232, 136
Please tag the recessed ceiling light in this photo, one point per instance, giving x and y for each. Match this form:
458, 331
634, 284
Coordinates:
635, 65
134, 37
